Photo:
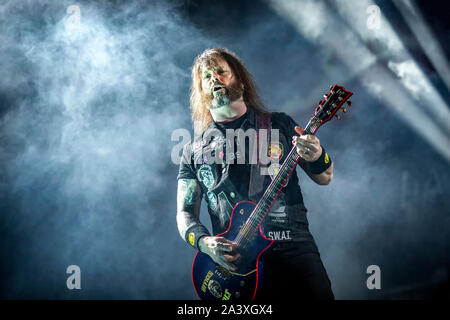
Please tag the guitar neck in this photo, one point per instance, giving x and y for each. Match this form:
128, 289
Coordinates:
324, 112
278, 182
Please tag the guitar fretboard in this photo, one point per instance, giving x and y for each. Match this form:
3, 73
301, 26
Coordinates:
274, 188
324, 112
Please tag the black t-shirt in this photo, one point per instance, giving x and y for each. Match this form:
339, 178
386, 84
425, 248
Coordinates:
239, 178
225, 182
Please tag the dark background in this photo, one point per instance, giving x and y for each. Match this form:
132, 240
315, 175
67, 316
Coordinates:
87, 115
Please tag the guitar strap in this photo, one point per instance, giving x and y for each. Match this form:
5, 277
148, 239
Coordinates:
257, 170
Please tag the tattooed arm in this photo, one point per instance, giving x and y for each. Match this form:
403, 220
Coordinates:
189, 198
191, 230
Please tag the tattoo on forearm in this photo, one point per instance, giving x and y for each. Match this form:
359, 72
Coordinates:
188, 192
188, 198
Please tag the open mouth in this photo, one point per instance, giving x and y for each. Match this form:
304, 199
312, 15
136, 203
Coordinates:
217, 88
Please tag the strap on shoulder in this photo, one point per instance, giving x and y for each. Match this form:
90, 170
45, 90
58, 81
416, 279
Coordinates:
256, 185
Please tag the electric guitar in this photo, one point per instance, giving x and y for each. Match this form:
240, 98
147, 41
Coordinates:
212, 281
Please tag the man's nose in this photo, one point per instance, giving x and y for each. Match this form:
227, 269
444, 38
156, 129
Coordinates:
217, 77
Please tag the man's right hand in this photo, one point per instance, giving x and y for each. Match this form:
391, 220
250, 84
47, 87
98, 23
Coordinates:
221, 250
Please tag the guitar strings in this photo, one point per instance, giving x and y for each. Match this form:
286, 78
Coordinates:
243, 238
250, 226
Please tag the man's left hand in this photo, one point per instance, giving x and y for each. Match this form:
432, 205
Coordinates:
308, 145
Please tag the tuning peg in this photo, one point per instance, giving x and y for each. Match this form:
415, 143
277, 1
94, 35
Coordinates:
349, 102
338, 117
331, 87
344, 110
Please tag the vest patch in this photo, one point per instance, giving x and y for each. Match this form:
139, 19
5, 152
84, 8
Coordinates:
275, 150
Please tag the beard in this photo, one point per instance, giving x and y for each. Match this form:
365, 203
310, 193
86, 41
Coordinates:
223, 97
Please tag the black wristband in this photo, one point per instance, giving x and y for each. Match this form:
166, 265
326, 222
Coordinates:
321, 164
194, 233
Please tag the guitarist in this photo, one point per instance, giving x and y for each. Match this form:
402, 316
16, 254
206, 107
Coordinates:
223, 96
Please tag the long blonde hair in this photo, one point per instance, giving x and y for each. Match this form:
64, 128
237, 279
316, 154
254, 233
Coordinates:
201, 117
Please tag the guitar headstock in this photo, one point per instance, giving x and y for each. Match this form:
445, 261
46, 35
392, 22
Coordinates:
328, 107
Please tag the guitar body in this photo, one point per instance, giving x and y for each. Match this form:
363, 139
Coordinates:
213, 282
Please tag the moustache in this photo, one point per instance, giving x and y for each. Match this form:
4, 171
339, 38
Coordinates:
232, 92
